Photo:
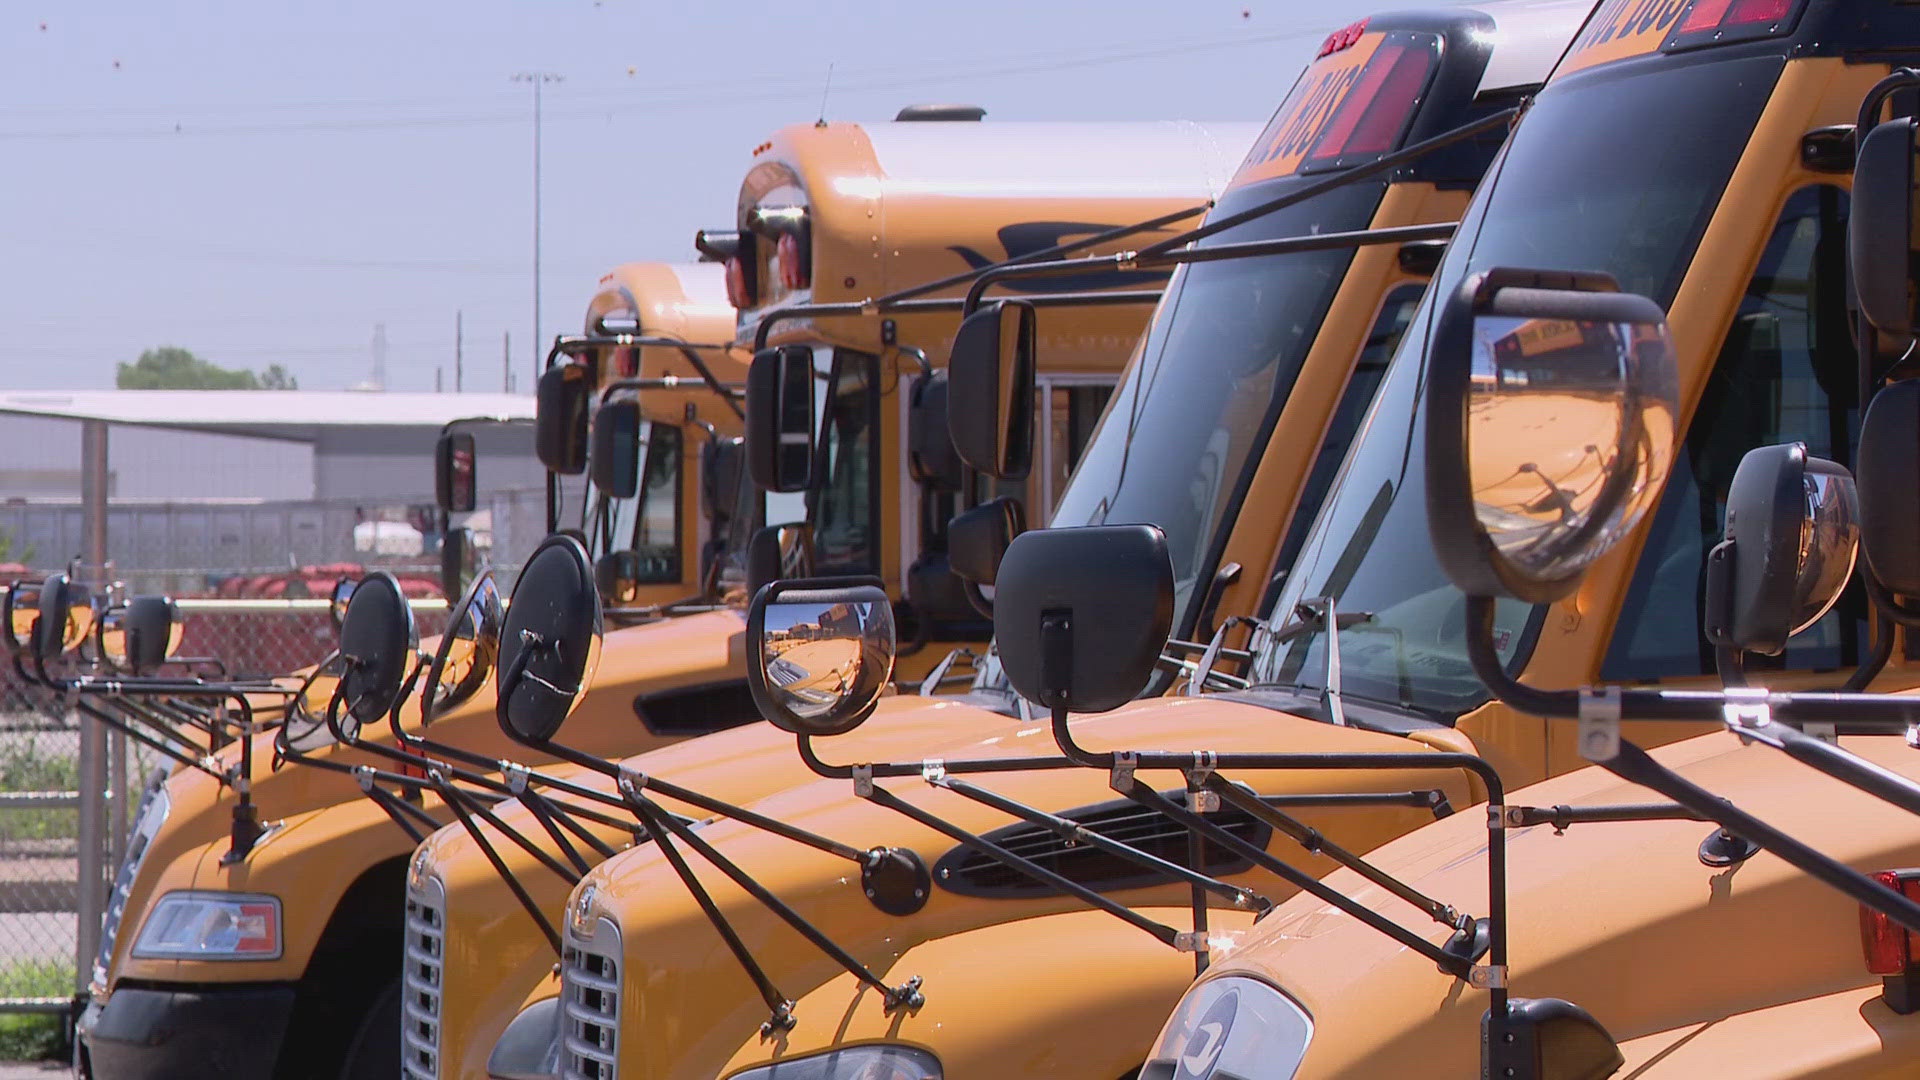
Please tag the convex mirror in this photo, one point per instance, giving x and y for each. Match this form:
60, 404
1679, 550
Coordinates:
562, 401
780, 418
823, 652
337, 602
614, 462
453, 472
378, 643
1080, 616
617, 575
467, 649
990, 387
140, 636
1792, 532
1880, 242
1550, 416
459, 558
549, 641
22, 605
977, 539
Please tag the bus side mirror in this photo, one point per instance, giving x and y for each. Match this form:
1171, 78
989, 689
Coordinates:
142, 635
22, 610
1880, 228
337, 602
549, 642
453, 472
457, 557
1793, 529
1550, 414
823, 653
378, 644
614, 461
780, 412
617, 577
977, 539
930, 454
467, 649
1081, 615
562, 400
990, 387
66, 617
779, 552
721, 463
1548, 1037
1885, 467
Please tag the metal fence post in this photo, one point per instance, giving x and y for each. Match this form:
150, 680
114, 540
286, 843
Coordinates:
91, 876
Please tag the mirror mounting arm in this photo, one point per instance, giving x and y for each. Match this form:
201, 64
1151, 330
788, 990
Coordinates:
455, 802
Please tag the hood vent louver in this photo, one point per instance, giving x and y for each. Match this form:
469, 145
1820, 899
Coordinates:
969, 873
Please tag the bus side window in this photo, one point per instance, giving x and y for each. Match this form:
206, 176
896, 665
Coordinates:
845, 513
1382, 341
1785, 373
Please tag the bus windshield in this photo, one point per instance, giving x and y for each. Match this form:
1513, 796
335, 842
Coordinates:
1221, 355
648, 524
1617, 169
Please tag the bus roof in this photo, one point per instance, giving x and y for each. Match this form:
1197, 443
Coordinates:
680, 300
1531, 36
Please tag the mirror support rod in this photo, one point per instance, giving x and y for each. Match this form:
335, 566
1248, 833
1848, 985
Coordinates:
1129, 260
764, 330
500, 867
130, 731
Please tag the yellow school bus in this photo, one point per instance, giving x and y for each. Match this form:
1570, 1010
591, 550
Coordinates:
240, 1006
1718, 182
1202, 426
680, 677
958, 195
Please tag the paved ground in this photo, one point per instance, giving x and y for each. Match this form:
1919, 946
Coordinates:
32, 1070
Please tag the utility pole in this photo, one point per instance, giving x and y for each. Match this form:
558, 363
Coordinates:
379, 356
538, 79
506, 361
459, 350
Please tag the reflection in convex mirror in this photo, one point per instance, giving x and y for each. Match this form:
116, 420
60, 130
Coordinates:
1792, 535
378, 644
823, 653
337, 602
1569, 428
22, 610
467, 650
142, 635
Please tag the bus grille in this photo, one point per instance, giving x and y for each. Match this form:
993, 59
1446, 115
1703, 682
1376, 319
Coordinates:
420, 982
590, 1004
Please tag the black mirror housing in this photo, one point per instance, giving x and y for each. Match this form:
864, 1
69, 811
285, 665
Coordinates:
1548, 1037
1886, 465
977, 539
1081, 615
1766, 582
991, 379
1551, 423
562, 401
1880, 228
378, 640
454, 474
456, 561
780, 412
779, 551
549, 641
614, 461
931, 458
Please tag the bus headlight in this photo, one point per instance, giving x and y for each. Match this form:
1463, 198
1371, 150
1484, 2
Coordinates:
530, 1047
1231, 1026
877, 1062
211, 926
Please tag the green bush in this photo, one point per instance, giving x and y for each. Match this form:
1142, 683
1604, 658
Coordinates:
34, 1036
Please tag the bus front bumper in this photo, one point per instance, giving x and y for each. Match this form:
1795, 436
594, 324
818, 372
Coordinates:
142, 1034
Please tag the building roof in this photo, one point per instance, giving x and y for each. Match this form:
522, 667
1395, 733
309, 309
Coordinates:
279, 414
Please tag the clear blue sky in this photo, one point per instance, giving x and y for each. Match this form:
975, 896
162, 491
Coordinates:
264, 182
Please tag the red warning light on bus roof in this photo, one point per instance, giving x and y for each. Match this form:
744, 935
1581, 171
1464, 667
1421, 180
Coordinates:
1342, 38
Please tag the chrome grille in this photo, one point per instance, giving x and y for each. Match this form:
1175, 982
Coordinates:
420, 980
590, 1004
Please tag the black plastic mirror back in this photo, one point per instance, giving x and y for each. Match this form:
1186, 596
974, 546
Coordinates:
563, 398
150, 622
1081, 615
454, 483
1886, 468
990, 377
377, 642
1792, 530
977, 539
930, 453
1880, 227
549, 641
780, 412
614, 459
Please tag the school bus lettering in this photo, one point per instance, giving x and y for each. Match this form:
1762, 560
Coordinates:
1620, 29
1303, 117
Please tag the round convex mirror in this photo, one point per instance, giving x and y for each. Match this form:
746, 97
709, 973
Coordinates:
822, 656
22, 610
1792, 534
140, 635
377, 642
65, 619
467, 650
1565, 424
549, 641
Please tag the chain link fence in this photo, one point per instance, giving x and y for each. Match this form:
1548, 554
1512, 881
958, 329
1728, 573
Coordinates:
45, 954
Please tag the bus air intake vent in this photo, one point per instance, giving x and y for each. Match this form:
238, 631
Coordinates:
590, 1004
969, 873
420, 982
